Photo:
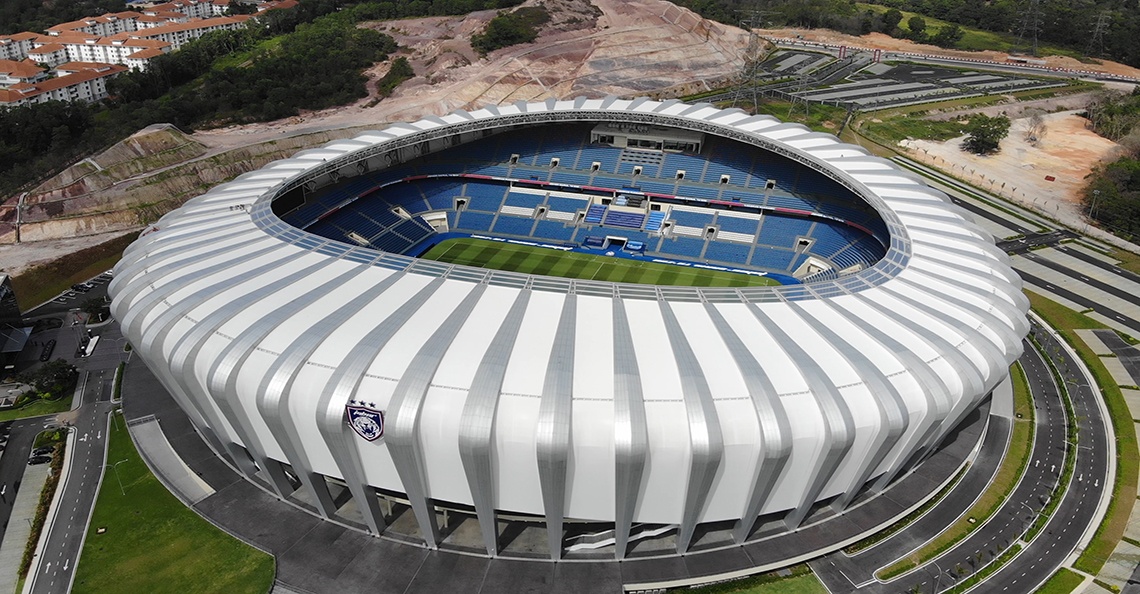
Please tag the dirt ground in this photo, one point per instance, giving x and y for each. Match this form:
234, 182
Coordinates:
888, 43
621, 47
15, 258
1067, 152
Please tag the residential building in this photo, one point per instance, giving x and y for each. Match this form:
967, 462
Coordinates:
78, 82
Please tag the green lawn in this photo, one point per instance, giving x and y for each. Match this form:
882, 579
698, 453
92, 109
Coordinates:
802, 581
1063, 581
901, 128
154, 543
545, 261
39, 407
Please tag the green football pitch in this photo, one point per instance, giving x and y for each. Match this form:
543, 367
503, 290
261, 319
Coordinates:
545, 261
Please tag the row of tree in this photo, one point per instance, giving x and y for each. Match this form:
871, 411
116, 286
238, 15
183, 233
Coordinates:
1112, 195
1057, 22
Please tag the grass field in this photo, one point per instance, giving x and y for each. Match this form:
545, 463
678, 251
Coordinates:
1063, 581
39, 407
545, 261
154, 543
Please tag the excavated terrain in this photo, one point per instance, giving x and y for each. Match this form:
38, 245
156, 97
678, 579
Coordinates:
605, 47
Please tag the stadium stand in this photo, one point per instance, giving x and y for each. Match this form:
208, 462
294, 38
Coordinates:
654, 222
509, 225
475, 221
553, 230
784, 230
737, 225
683, 246
632, 220
524, 200
595, 213
691, 219
492, 206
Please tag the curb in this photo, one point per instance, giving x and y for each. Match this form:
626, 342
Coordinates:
98, 489
53, 509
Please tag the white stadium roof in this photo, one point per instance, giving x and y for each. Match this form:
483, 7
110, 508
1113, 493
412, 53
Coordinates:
568, 399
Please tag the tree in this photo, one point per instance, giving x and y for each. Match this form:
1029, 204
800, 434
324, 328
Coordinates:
54, 376
95, 308
235, 7
891, 20
917, 26
510, 28
948, 35
1036, 129
400, 71
985, 133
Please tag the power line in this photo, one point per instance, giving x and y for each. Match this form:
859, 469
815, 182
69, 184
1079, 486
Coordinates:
1030, 23
1096, 42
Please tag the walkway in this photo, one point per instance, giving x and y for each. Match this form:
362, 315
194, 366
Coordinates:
20, 525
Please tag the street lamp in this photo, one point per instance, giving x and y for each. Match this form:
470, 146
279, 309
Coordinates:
937, 577
115, 467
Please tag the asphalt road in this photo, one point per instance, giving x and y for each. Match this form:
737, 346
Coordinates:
1075, 514
1007, 524
1084, 279
64, 537
1097, 262
843, 572
1082, 301
71, 299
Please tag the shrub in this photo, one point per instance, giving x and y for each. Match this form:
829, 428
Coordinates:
510, 28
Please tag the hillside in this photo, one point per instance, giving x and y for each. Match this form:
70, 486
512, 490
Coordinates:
639, 47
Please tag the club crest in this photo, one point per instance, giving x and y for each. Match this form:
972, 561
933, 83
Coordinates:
365, 420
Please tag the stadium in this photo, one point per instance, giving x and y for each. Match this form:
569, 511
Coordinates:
574, 328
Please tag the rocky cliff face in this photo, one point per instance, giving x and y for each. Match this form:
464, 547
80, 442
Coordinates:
140, 179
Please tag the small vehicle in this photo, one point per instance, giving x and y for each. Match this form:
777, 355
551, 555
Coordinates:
44, 451
36, 460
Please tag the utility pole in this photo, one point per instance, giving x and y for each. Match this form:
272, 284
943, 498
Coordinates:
1030, 24
1096, 42
754, 56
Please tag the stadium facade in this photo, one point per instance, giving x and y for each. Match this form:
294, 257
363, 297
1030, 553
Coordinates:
350, 374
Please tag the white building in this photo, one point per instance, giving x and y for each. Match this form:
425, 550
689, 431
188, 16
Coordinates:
14, 72
76, 82
546, 400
